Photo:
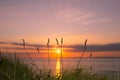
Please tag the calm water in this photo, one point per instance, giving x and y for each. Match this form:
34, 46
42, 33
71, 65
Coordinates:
94, 64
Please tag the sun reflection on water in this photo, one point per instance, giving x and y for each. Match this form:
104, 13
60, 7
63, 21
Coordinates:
58, 66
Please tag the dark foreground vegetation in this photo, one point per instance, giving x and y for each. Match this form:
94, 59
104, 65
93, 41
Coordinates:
13, 69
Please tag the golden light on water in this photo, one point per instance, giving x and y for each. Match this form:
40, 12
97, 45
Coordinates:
58, 66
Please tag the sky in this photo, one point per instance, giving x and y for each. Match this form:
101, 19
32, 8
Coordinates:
74, 20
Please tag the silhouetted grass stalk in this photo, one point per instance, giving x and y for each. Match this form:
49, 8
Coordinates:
48, 46
39, 54
117, 64
1, 59
61, 54
85, 45
24, 45
61, 57
90, 60
49, 65
0, 52
15, 67
41, 61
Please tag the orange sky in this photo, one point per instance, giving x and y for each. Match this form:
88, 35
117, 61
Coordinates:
54, 52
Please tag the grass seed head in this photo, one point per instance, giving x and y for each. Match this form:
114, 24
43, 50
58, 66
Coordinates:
61, 40
57, 41
38, 49
23, 42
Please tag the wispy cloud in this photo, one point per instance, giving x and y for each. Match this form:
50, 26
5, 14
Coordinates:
73, 15
97, 47
79, 16
20, 44
67, 48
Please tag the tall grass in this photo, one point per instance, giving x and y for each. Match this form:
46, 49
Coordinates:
1, 59
15, 66
61, 53
9, 72
49, 64
61, 58
40, 73
90, 56
85, 45
24, 72
33, 62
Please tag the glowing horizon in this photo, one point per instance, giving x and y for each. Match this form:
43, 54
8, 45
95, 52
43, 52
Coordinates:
55, 52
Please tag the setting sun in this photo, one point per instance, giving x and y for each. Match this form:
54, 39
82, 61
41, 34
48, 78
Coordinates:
58, 51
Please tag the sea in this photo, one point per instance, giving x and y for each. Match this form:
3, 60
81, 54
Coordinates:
105, 66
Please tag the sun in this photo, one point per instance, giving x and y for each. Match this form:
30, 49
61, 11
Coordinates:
58, 51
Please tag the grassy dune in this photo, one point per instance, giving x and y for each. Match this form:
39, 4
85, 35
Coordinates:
14, 70
11, 69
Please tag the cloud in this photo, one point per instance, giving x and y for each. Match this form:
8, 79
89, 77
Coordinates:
74, 15
12, 47
93, 48
79, 16
21, 44
71, 48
